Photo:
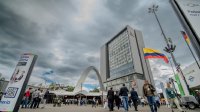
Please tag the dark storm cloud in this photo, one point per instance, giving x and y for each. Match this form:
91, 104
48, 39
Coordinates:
125, 9
20, 34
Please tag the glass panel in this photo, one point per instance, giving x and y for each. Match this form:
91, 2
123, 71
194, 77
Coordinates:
120, 57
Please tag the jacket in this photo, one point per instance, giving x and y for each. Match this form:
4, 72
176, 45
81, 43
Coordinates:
134, 95
123, 91
170, 93
151, 88
110, 95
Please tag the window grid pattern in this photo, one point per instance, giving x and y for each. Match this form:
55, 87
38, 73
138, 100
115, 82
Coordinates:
120, 57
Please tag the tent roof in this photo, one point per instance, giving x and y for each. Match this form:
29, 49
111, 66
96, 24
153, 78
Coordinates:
63, 92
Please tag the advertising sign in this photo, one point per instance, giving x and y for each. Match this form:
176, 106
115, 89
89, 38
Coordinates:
191, 10
192, 75
179, 85
188, 12
16, 87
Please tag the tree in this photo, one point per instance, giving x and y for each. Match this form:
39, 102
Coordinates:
70, 88
52, 86
96, 90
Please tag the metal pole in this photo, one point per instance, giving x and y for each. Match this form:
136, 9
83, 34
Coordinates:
161, 27
171, 65
171, 53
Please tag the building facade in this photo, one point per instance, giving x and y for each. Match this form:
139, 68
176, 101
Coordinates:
122, 60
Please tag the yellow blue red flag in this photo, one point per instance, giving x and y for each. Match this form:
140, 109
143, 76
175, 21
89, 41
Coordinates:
152, 53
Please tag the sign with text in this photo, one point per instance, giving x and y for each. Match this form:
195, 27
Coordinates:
16, 86
191, 10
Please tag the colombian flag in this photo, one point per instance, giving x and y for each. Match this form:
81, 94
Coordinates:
185, 37
152, 53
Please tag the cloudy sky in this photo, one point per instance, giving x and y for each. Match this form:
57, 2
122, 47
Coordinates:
67, 34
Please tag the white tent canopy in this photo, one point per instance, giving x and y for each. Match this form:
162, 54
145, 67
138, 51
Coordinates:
63, 93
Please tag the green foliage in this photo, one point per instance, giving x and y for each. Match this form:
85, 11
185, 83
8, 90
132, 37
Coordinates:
96, 90
70, 88
52, 86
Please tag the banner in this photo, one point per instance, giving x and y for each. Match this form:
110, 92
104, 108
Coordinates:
179, 85
16, 87
191, 10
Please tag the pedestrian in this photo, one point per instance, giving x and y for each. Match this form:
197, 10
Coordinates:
157, 100
26, 100
30, 99
124, 95
148, 91
117, 100
34, 96
135, 98
171, 96
105, 103
93, 102
110, 97
23, 101
97, 102
39, 98
46, 94
129, 102
142, 102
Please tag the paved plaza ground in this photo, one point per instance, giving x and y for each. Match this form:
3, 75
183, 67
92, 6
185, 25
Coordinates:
88, 108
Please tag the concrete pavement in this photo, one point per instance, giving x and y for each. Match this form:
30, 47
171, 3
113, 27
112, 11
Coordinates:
88, 108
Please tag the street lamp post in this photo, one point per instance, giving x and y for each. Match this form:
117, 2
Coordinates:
170, 46
171, 65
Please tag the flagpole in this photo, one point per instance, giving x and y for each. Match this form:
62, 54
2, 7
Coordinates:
171, 65
192, 53
148, 71
170, 47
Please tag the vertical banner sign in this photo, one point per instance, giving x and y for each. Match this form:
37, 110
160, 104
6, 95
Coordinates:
179, 85
188, 12
191, 10
16, 87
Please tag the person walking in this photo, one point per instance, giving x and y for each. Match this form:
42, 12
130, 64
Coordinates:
39, 98
129, 102
117, 100
30, 99
45, 98
26, 100
105, 103
34, 96
135, 98
171, 96
157, 100
148, 91
110, 96
94, 102
124, 95
142, 102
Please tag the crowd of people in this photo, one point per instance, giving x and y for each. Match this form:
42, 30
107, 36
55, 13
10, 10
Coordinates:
37, 98
34, 99
121, 98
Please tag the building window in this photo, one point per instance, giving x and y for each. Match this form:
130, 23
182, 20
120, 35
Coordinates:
120, 58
